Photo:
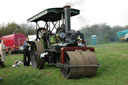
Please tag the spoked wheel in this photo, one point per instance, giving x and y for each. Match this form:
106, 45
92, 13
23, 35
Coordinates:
36, 49
80, 64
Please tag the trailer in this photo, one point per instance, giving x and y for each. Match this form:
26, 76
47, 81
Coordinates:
13, 42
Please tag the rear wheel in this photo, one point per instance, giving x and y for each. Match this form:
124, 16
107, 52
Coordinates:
36, 50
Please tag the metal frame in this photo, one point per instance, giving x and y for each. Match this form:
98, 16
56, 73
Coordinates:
79, 66
47, 25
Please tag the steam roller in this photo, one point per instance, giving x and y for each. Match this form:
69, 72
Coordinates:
57, 44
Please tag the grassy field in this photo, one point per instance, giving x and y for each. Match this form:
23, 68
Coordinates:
113, 71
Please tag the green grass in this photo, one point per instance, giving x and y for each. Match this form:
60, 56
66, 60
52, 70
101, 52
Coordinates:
113, 71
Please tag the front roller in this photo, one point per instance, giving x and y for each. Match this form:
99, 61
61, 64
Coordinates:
79, 64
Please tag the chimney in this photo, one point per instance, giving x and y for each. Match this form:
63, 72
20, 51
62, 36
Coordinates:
67, 14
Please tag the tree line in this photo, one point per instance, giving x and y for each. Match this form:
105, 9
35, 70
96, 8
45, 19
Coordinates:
104, 33
13, 27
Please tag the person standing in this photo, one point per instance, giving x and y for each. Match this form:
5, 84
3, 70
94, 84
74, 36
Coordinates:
2, 51
26, 52
3, 54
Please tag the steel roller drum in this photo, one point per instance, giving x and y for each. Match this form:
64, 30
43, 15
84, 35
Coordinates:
83, 63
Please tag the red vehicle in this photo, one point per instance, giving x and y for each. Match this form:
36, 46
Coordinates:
13, 42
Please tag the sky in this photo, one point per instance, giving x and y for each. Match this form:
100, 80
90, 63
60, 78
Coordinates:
111, 12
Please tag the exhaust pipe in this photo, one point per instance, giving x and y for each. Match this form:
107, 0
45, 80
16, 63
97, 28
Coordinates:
67, 14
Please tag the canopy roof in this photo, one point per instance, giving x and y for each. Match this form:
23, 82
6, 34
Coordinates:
52, 14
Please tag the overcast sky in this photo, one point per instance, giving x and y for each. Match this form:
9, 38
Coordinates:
112, 12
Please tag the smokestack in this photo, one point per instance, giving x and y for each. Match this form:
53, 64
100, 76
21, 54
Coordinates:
67, 14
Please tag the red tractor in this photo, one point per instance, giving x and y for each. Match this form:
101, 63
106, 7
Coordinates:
57, 44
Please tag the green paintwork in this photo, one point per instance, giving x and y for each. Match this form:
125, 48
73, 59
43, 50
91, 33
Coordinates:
52, 39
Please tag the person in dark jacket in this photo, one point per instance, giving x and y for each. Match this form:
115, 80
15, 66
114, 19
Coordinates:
26, 55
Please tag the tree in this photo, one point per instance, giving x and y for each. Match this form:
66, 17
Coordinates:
104, 33
11, 28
